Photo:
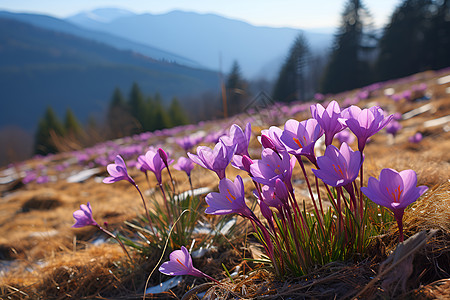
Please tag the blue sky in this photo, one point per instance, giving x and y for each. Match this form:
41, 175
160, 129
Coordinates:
289, 13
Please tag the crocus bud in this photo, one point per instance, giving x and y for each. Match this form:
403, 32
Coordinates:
266, 142
281, 191
246, 162
163, 156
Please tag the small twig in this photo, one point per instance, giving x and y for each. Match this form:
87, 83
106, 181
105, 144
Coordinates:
198, 289
164, 251
396, 263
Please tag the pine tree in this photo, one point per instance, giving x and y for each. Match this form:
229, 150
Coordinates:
290, 85
118, 118
403, 46
437, 36
236, 90
354, 42
176, 113
49, 126
71, 125
161, 118
148, 124
137, 106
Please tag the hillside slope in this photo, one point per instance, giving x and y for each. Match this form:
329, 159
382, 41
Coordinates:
40, 68
120, 43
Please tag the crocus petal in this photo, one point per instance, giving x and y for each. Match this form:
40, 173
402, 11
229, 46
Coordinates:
197, 159
230, 199
114, 170
120, 162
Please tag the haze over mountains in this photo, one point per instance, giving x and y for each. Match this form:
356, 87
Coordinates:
76, 63
208, 39
41, 67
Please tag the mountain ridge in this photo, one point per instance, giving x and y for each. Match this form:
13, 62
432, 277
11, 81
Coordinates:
60, 25
211, 39
40, 68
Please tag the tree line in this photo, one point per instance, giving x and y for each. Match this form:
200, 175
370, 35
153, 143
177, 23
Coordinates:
416, 38
124, 117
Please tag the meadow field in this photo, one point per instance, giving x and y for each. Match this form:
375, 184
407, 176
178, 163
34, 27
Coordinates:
43, 257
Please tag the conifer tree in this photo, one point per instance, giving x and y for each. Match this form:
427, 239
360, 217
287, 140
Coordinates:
137, 106
176, 114
416, 39
236, 90
71, 125
290, 85
118, 119
401, 46
354, 42
48, 126
438, 36
148, 124
161, 118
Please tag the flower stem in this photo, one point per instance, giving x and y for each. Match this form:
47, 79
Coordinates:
146, 211
117, 239
166, 202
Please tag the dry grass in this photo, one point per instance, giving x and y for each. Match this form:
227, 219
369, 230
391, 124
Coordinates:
50, 260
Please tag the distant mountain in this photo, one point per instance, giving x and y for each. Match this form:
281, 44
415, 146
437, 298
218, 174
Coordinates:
40, 68
100, 15
208, 38
103, 15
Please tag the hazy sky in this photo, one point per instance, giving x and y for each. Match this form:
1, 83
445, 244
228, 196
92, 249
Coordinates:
289, 13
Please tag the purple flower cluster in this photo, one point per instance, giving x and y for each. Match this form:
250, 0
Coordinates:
272, 173
337, 170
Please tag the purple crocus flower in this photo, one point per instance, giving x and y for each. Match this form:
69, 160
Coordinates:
118, 171
180, 263
152, 161
216, 159
83, 216
42, 179
319, 96
266, 142
163, 156
265, 211
273, 166
239, 138
416, 138
338, 167
394, 190
300, 137
188, 141
407, 95
242, 162
184, 164
397, 116
393, 127
274, 133
396, 97
365, 123
271, 198
330, 119
230, 199
29, 177
345, 136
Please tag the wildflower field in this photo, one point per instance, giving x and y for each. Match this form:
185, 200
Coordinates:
346, 196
